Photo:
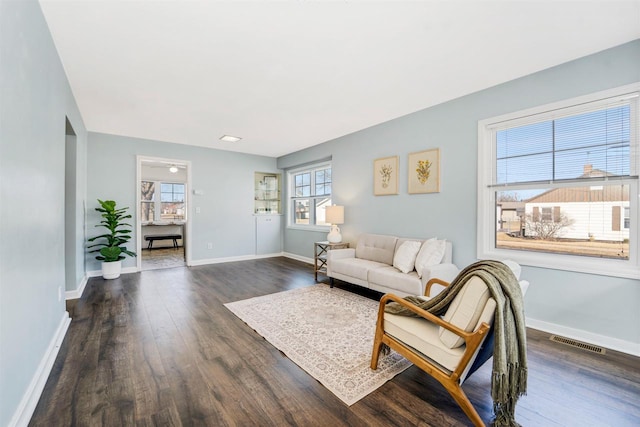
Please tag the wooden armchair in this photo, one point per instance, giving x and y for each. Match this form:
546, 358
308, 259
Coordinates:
446, 347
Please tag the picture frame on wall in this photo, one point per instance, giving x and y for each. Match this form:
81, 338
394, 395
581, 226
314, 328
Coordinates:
385, 176
424, 172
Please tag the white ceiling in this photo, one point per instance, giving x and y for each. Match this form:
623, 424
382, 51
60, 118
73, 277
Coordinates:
287, 75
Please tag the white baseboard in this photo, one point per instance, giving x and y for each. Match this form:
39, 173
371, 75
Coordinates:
29, 401
622, 346
273, 255
299, 258
77, 293
98, 273
232, 259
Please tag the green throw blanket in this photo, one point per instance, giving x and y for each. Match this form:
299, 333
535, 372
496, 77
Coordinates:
509, 377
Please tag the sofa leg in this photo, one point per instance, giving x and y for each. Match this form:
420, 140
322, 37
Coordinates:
331, 282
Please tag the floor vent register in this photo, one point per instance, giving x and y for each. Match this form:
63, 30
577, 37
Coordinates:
578, 344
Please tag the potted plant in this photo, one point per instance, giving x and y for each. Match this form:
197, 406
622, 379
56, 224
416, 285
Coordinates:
111, 248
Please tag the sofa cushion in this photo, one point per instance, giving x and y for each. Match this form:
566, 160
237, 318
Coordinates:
355, 267
465, 310
405, 256
375, 247
514, 266
390, 277
431, 253
423, 336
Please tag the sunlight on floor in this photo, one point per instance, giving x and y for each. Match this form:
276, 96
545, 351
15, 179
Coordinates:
153, 259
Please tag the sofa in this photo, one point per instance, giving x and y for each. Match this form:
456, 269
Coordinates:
391, 264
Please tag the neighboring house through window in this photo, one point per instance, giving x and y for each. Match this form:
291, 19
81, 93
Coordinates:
309, 194
568, 169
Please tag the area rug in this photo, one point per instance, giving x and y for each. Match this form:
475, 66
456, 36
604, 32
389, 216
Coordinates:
326, 331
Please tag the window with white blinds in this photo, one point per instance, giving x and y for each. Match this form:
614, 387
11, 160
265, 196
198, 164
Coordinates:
555, 184
560, 149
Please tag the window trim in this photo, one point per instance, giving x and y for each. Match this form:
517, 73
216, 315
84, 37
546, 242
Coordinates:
486, 211
291, 198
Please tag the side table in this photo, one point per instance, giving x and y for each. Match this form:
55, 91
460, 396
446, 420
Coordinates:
320, 255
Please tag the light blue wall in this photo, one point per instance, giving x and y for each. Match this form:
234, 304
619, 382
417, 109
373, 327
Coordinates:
604, 306
226, 178
34, 99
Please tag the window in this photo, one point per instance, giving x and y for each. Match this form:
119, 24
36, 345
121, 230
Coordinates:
627, 212
310, 193
171, 201
555, 184
147, 208
167, 205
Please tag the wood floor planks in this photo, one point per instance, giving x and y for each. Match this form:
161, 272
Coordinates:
159, 348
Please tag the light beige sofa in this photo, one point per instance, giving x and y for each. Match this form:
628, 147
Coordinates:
370, 264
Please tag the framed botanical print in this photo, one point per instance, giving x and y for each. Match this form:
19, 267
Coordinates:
385, 176
424, 172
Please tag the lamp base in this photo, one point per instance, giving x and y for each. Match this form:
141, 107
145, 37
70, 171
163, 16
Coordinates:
334, 235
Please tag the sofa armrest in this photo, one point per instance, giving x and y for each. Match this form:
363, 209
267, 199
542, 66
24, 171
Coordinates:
341, 253
338, 254
446, 272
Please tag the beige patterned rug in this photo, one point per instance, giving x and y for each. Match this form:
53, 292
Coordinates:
326, 331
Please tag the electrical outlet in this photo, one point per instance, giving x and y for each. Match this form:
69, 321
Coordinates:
198, 211
209, 245
59, 293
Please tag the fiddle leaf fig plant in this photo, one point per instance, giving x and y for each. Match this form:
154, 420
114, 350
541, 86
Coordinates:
111, 248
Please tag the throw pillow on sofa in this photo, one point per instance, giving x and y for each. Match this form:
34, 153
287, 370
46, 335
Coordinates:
431, 253
405, 257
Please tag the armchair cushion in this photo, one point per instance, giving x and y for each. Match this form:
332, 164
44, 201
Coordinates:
465, 310
422, 335
431, 253
405, 257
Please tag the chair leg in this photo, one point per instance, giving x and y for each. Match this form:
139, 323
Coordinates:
465, 404
377, 348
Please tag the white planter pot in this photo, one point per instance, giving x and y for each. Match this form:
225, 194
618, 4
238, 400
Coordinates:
111, 270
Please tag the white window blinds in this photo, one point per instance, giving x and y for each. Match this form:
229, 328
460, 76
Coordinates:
590, 142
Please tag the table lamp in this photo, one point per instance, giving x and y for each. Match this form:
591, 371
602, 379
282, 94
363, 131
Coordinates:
334, 215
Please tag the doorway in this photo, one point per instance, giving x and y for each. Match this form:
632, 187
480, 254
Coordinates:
74, 237
162, 223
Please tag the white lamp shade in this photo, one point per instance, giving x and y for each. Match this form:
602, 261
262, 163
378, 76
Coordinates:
334, 214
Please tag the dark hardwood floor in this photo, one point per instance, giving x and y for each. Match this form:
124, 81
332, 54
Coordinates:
159, 348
